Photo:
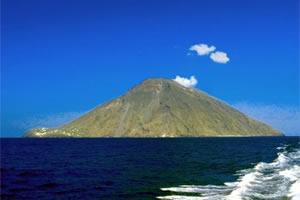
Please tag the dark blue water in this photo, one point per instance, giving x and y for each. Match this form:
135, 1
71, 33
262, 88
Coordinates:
127, 168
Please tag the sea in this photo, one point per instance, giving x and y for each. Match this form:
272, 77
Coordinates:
250, 168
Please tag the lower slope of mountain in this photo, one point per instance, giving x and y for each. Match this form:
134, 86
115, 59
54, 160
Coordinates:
161, 108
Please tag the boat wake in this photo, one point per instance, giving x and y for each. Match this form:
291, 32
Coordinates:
279, 179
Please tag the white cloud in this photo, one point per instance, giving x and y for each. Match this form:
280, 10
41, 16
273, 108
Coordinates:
219, 57
202, 49
284, 118
186, 82
216, 56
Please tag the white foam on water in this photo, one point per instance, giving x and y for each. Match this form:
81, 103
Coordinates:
181, 197
293, 174
275, 180
294, 192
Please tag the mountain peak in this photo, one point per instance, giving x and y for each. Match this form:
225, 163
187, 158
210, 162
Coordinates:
161, 108
156, 82
159, 83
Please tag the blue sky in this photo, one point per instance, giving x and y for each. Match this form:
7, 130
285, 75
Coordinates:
61, 58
